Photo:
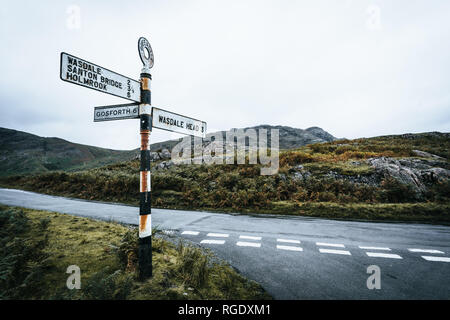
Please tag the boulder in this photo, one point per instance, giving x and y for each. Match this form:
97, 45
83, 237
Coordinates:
426, 155
164, 165
298, 173
417, 173
154, 156
165, 154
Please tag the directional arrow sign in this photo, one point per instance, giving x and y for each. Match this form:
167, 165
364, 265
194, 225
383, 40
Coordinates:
117, 112
170, 121
89, 75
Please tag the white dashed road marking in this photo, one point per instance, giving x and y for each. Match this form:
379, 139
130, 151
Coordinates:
441, 259
321, 250
337, 245
335, 251
248, 244
383, 255
191, 233
249, 238
288, 241
374, 248
426, 251
218, 235
290, 248
213, 241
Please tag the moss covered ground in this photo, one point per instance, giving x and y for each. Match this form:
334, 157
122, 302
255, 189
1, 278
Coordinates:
38, 246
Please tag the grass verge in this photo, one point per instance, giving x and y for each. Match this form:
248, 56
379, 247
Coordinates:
36, 247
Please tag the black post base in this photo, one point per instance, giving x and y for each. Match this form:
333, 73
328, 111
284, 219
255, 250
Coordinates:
145, 258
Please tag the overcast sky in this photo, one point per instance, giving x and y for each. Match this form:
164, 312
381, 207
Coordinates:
355, 68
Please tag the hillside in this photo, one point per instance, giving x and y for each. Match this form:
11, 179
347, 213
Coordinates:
21, 152
403, 177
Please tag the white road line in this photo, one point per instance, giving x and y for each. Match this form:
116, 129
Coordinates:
249, 237
337, 245
288, 241
291, 248
383, 255
335, 251
219, 235
191, 233
441, 259
248, 244
426, 251
213, 241
374, 248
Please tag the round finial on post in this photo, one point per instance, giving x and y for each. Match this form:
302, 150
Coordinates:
146, 54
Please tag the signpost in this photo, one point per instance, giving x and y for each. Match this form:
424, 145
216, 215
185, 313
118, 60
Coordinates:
117, 112
89, 75
170, 121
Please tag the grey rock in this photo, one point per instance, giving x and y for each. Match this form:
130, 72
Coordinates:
165, 154
424, 154
371, 179
417, 173
434, 175
164, 165
154, 156
298, 173
389, 167
297, 176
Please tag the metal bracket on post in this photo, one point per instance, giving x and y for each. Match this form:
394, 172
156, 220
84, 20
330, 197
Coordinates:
145, 208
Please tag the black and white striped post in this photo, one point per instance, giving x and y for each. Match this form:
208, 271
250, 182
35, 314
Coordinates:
145, 208
124, 87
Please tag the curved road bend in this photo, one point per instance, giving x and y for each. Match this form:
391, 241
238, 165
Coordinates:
296, 257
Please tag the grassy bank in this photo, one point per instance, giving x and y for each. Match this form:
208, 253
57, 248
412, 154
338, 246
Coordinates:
37, 247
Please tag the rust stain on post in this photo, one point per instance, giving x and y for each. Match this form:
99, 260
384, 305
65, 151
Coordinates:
144, 181
145, 83
142, 222
145, 139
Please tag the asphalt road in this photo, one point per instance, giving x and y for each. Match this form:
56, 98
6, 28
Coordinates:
296, 257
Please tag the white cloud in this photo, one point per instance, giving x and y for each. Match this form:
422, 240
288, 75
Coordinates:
233, 64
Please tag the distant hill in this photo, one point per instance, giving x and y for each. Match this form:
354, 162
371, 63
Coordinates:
290, 138
22, 152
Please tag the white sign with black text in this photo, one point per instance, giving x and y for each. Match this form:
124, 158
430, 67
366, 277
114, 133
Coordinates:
170, 121
89, 75
116, 112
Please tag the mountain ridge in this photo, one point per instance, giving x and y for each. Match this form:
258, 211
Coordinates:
22, 152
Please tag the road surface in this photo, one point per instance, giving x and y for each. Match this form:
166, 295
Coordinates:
295, 257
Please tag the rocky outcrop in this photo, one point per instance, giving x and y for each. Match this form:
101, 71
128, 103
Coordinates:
155, 156
418, 173
372, 180
298, 173
164, 165
424, 154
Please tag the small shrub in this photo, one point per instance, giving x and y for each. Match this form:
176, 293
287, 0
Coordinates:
394, 191
104, 285
193, 265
